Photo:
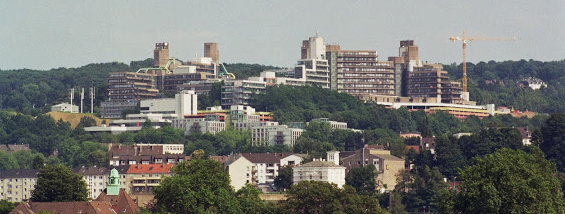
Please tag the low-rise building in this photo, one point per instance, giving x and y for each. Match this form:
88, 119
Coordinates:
10, 148
319, 171
65, 107
17, 185
333, 124
526, 135
146, 154
387, 166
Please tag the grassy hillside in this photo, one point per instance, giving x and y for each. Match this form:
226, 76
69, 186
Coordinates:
74, 118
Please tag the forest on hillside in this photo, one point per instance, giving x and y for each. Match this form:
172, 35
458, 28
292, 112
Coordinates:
496, 82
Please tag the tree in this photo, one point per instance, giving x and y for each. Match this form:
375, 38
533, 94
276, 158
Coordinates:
553, 139
362, 179
510, 181
59, 183
248, 197
6, 206
197, 186
284, 179
321, 197
38, 161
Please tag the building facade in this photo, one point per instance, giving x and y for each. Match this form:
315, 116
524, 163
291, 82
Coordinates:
238, 92
313, 68
319, 171
241, 171
359, 72
96, 179
17, 185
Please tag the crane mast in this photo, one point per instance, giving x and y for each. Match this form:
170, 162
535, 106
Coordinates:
464, 41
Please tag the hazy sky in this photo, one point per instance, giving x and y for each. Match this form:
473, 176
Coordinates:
50, 34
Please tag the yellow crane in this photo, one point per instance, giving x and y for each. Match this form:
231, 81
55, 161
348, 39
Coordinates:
465, 39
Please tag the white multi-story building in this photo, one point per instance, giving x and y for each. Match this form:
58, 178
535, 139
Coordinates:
184, 103
283, 136
17, 185
319, 171
333, 124
158, 111
96, 179
274, 135
241, 171
313, 67
191, 125
268, 164
242, 126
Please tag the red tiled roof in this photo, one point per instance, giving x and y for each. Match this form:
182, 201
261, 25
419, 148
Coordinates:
149, 168
101, 207
417, 148
121, 203
221, 159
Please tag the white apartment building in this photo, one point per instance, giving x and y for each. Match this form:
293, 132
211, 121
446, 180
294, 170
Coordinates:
96, 179
191, 125
284, 136
17, 185
241, 171
242, 126
268, 164
319, 171
274, 135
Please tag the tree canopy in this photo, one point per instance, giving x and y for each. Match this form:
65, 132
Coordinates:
510, 181
320, 197
59, 183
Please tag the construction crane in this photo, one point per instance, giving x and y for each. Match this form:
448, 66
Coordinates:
465, 39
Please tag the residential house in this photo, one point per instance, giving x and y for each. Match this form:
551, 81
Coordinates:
241, 171
319, 171
146, 154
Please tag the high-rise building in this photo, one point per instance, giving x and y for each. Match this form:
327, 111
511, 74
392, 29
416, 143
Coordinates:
124, 86
161, 55
238, 92
359, 72
211, 51
425, 80
313, 67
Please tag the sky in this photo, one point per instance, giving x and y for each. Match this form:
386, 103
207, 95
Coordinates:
70, 33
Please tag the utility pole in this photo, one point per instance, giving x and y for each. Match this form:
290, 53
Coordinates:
72, 95
92, 94
81, 99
